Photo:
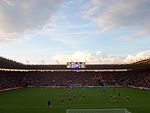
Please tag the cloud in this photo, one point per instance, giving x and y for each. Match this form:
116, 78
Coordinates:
132, 15
138, 56
21, 17
99, 57
78, 56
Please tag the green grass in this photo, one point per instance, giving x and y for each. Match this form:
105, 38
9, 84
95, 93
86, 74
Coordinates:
34, 100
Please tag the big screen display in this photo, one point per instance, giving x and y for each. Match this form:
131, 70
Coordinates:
75, 65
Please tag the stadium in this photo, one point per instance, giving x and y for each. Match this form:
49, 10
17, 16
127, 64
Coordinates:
110, 88
74, 56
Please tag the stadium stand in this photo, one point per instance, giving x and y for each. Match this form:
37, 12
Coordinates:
135, 75
38, 79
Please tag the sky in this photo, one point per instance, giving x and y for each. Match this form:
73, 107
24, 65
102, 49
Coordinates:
60, 31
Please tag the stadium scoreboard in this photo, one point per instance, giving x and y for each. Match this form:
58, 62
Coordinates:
75, 65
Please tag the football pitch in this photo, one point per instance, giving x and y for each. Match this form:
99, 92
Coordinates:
34, 100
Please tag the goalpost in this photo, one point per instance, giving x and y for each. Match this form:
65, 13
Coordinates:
97, 111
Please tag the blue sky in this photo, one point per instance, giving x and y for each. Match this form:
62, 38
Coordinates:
95, 31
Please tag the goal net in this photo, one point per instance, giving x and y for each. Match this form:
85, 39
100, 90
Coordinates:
97, 111
75, 85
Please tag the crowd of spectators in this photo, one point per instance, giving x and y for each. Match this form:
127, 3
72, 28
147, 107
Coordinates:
138, 75
37, 79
